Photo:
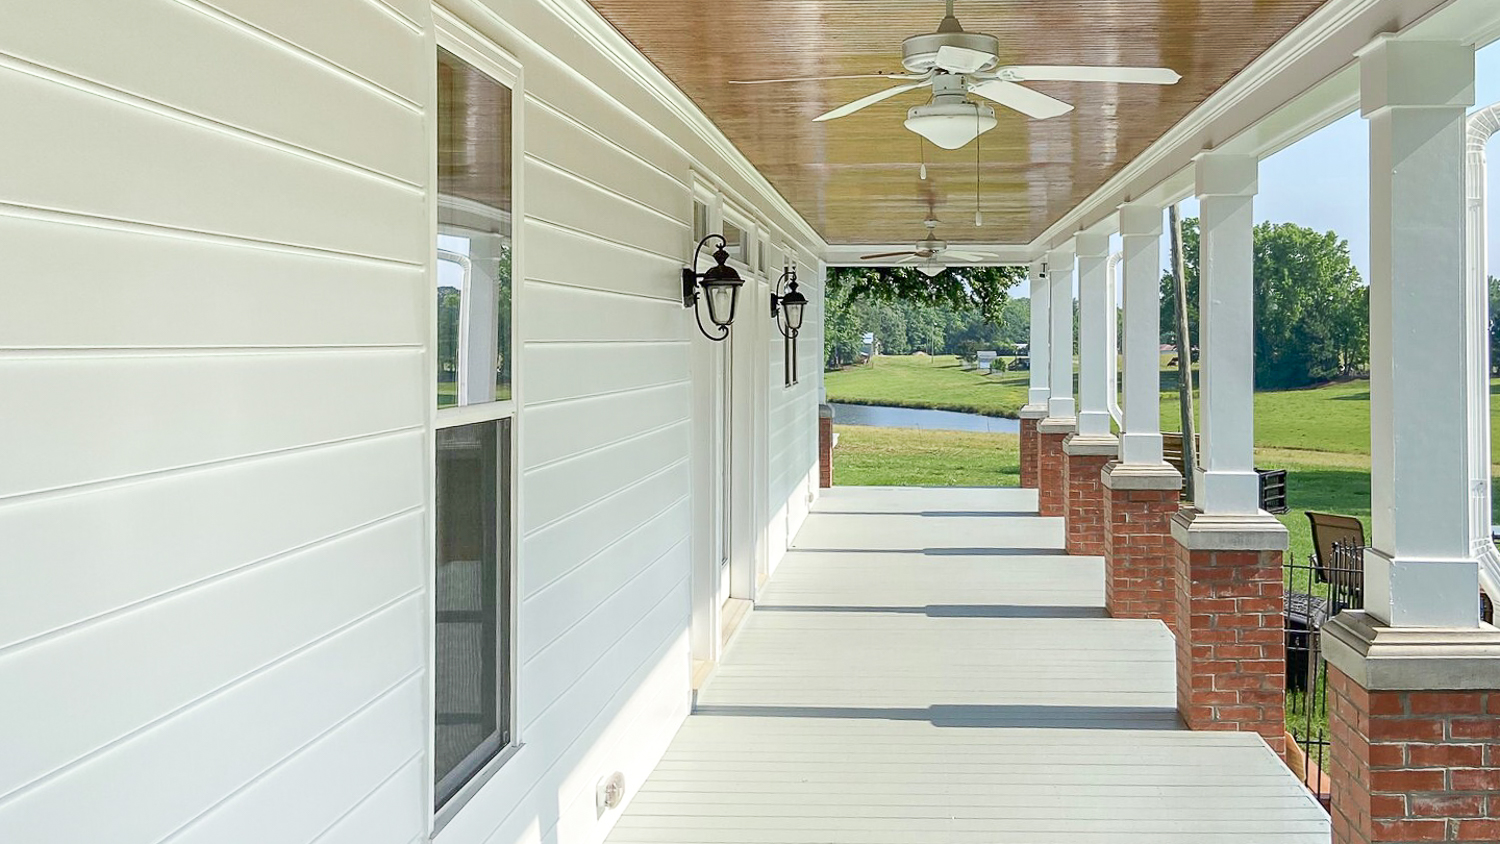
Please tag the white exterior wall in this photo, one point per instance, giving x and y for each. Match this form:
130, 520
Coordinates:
215, 340
794, 421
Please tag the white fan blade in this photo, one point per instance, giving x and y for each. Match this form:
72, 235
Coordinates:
911, 258
897, 76
1081, 73
972, 256
962, 59
863, 102
1028, 102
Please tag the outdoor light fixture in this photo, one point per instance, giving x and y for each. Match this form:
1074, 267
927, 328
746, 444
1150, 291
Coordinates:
789, 305
720, 286
950, 125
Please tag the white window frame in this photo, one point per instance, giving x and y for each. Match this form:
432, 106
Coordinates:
472, 47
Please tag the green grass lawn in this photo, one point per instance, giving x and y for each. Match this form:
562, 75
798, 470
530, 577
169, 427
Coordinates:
1320, 435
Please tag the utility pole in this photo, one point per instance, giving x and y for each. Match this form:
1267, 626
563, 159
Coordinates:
1184, 352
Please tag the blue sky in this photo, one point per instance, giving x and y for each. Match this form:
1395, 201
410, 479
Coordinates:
1323, 180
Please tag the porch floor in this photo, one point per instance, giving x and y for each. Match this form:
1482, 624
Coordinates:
928, 666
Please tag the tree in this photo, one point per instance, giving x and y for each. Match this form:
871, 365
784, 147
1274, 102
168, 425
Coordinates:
1311, 307
1494, 325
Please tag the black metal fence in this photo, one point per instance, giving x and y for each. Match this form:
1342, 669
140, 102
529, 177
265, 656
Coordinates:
1316, 590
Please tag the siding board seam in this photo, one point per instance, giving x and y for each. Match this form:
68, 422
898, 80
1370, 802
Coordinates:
138, 227
153, 474
595, 503
642, 572
398, 16
146, 603
546, 105
641, 619
298, 751
85, 86
632, 680
212, 694
583, 343
628, 294
361, 802
600, 394
577, 232
303, 53
64, 352
536, 593
606, 191
605, 446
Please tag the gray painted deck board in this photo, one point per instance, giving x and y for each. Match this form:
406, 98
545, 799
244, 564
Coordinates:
928, 667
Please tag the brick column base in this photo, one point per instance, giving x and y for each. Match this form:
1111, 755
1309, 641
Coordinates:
1231, 654
825, 446
1085, 457
1052, 466
1030, 416
1140, 561
1414, 732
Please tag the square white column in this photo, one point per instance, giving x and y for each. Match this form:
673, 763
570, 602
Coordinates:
1094, 352
1226, 480
1060, 403
1140, 236
1036, 399
1420, 571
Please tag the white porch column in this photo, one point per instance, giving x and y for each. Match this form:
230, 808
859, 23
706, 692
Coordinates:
1226, 479
1140, 234
1093, 336
1038, 350
1060, 404
1421, 571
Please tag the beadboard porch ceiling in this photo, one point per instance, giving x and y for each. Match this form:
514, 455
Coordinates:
856, 179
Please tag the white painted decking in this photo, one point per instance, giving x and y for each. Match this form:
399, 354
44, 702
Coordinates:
927, 667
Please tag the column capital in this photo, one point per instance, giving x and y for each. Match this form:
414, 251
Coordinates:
1064, 251
1140, 219
1224, 174
1401, 73
1092, 245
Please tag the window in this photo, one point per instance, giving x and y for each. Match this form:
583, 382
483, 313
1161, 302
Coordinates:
473, 591
700, 221
734, 242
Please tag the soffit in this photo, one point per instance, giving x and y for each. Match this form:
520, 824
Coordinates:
856, 179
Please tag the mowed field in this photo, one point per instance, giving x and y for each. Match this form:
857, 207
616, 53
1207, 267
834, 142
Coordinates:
1320, 435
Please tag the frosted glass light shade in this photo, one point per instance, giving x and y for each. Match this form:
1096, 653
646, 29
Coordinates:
931, 270
950, 125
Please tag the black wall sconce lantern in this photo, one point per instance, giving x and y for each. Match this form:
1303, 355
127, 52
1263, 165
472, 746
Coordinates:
790, 306
720, 286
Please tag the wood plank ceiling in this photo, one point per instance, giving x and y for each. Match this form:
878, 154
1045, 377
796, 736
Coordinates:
856, 179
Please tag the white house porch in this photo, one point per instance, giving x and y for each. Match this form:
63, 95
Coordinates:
929, 665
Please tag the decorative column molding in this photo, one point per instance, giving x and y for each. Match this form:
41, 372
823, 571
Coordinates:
1060, 405
1142, 491
1226, 482
1038, 347
1140, 234
1421, 571
1093, 337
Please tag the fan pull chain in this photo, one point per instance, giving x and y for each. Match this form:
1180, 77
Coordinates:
978, 217
922, 145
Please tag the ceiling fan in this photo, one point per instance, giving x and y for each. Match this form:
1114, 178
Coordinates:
954, 64
928, 250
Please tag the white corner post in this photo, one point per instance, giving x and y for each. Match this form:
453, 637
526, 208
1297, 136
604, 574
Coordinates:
1060, 404
1140, 236
1226, 482
1094, 352
1038, 351
1421, 570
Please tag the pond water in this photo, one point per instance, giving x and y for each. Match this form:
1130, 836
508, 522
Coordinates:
932, 420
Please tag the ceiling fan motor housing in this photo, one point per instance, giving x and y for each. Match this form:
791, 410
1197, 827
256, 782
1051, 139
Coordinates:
919, 52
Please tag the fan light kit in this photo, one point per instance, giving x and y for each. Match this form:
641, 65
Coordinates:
954, 63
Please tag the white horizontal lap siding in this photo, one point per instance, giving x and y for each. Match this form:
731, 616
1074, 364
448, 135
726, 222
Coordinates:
606, 474
213, 313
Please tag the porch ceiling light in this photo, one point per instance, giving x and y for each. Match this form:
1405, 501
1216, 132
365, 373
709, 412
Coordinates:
789, 305
720, 286
951, 125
